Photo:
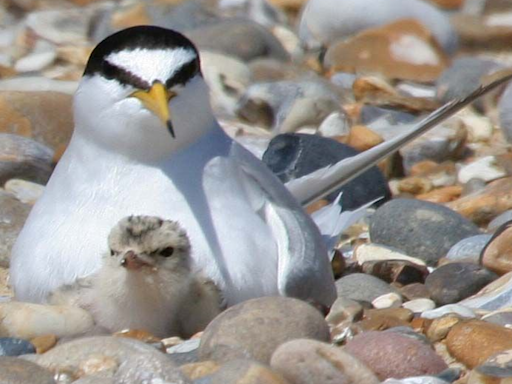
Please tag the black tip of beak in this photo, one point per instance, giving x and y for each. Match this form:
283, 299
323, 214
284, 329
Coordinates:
170, 128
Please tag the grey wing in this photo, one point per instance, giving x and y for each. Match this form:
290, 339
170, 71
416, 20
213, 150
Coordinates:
304, 269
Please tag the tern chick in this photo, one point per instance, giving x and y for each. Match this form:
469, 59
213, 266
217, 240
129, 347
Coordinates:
146, 282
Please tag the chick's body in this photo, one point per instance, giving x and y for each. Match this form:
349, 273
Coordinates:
146, 282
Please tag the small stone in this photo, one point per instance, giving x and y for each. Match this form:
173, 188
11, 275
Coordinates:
457, 309
373, 91
308, 361
390, 354
469, 249
27, 320
291, 156
415, 185
335, 124
44, 343
200, 369
501, 317
463, 77
415, 291
442, 195
372, 252
416, 379
15, 347
497, 254
494, 296
474, 341
287, 106
479, 128
344, 309
255, 328
136, 360
404, 49
42, 56
363, 138
420, 229
24, 158
485, 168
362, 287
497, 369
482, 206
396, 271
14, 370
13, 214
244, 39
440, 327
185, 352
385, 318
45, 116
25, 191
419, 305
246, 371
401, 314
446, 142
497, 222
504, 113
138, 334
5, 288
388, 300
446, 286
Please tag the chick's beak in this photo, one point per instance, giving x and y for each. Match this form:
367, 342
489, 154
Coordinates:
156, 99
133, 262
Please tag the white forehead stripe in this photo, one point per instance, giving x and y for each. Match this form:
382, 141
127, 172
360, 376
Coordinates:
152, 64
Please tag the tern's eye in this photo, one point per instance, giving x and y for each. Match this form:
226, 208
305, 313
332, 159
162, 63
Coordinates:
112, 252
166, 252
109, 71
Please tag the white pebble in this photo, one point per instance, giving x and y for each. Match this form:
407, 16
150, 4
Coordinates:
484, 168
388, 300
419, 305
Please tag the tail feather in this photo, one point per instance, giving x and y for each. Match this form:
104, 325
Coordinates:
313, 187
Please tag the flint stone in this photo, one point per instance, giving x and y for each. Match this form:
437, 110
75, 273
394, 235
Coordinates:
291, 156
390, 354
243, 39
255, 328
421, 229
363, 287
308, 361
454, 282
15, 347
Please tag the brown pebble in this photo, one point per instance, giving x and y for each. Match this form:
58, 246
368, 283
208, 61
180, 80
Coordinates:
497, 255
363, 138
442, 195
483, 206
138, 334
439, 328
473, 342
44, 343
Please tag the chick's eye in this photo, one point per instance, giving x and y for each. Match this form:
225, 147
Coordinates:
112, 252
166, 252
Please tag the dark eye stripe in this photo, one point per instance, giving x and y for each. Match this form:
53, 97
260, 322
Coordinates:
111, 72
186, 73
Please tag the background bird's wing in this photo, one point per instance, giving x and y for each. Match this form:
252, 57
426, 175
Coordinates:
324, 181
304, 269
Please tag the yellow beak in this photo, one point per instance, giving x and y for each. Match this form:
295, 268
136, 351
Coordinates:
156, 99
